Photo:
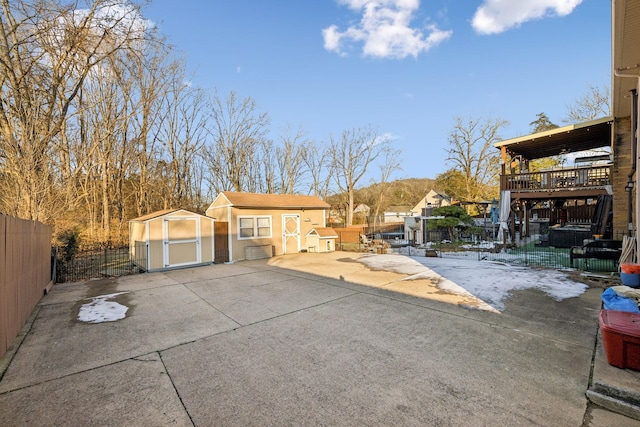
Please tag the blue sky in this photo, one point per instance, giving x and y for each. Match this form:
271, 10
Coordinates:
405, 67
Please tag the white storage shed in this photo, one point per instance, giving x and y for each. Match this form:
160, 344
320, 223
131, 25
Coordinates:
171, 238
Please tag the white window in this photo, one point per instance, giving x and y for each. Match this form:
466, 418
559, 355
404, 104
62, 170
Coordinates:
254, 227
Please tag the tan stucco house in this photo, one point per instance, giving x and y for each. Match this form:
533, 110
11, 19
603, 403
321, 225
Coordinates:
171, 238
263, 225
432, 199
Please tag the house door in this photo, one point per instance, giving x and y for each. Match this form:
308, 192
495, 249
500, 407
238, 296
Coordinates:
290, 234
181, 241
221, 242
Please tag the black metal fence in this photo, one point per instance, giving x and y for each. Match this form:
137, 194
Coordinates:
86, 263
537, 252
529, 254
93, 262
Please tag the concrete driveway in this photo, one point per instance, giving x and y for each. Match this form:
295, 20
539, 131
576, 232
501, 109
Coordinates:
307, 339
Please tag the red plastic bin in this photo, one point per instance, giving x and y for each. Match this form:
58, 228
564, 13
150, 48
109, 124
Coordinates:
621, 337
630, 268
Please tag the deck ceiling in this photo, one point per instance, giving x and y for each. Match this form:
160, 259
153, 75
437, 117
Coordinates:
567, 139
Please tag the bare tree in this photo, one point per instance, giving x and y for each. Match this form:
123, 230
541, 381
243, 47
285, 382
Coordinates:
317, 160
103, 133
238, 130
390, 164
471, 152
265, 169
595, 103
182, 134
290, 161
151, 74
351, 156
46, 52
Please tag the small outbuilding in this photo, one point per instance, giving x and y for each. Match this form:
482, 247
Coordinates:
321, 239
171, 238
264, 225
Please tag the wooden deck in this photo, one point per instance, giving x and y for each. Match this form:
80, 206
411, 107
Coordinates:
580, 182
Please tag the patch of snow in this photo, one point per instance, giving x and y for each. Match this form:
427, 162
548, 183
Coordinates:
100, 309
491, 282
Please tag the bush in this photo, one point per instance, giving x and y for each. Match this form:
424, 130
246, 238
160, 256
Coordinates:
70, 243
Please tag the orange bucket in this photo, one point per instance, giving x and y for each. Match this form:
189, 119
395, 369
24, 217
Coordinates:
630, 268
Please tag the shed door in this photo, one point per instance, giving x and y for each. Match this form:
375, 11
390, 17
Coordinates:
290, 234
181, 241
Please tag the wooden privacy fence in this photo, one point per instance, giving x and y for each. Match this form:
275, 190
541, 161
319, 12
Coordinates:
25, 273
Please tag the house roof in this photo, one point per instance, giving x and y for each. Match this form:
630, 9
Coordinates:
567, 139
287, 201
438, 195
155, 214
362, 208
324, 232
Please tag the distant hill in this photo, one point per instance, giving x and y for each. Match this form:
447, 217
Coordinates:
402, 192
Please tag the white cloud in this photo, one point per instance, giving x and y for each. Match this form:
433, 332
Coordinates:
384, 30
496, 16
120, 18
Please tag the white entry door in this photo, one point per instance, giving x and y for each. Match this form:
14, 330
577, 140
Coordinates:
181, 241
290, 233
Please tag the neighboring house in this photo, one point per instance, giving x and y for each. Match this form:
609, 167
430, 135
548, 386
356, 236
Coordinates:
397, 213
431, 200
337, 214
360, 213
263, 225
171, 238
321, 239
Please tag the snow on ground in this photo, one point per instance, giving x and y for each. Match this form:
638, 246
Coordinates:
492, 282
100, 309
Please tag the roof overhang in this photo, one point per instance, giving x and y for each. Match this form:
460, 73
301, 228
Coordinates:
625, 39
564, 140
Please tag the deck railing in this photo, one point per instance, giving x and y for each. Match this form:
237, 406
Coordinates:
557, 179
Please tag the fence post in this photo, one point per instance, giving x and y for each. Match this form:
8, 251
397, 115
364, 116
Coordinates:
54, 264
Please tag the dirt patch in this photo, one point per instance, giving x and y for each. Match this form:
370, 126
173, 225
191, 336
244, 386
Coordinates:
595, 280
346, 260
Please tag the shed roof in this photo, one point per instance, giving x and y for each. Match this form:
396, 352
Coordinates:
286, 201
567, 139
163, 212
155, 214
324, 232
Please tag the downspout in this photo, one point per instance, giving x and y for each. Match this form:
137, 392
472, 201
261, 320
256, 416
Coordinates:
634, 156
230, 234
621, 73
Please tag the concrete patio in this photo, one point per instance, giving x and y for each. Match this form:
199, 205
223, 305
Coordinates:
307, 339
